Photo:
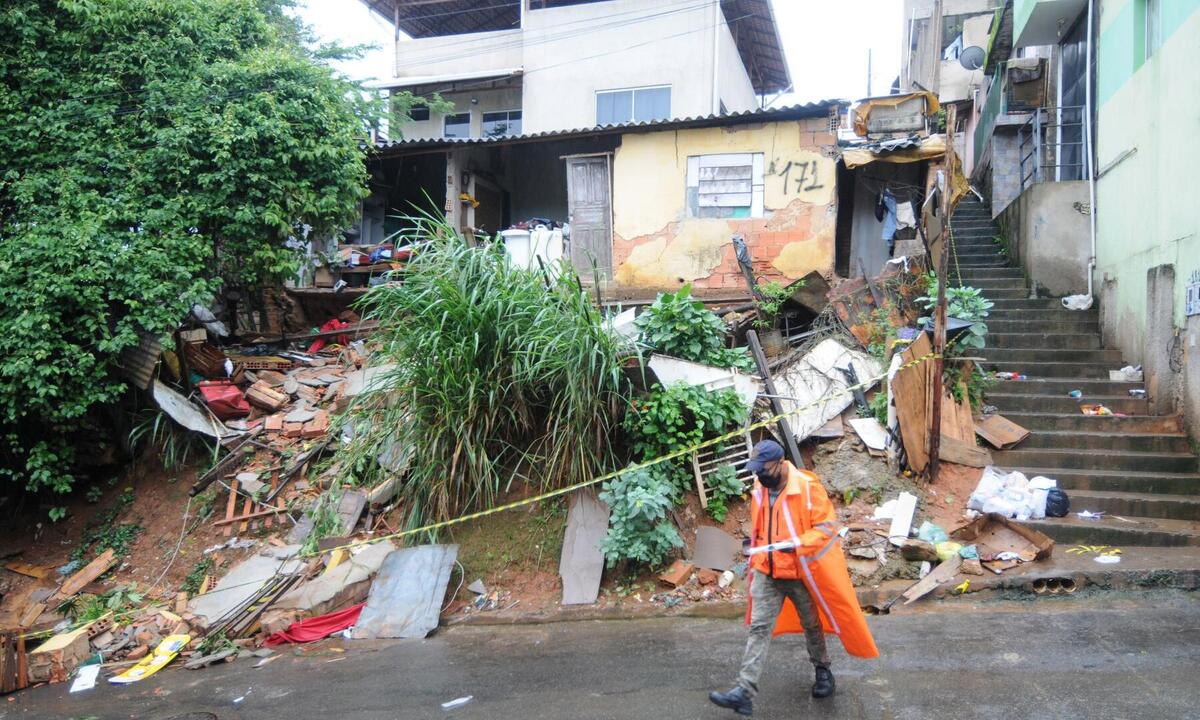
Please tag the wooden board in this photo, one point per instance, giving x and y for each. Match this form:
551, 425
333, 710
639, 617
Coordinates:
954, 450
93, 570
999, 432
957, 422
910, 388
939, 575
33, 571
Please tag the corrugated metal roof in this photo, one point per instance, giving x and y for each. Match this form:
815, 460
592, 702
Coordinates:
818, 108
886, 146
138, 362
752, 23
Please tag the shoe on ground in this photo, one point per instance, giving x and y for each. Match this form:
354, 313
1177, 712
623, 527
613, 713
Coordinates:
737, 700
824, 685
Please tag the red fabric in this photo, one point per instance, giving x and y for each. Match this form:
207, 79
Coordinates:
333, 324
224, 399
317, 627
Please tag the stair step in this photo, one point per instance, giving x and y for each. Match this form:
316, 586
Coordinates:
989, 284
1033, 340
1001, 324
1015, 292
1137, 504
1096, 460
1091, 423
1043, 303
1155, 532
1118, 480
1095, 371
1095, 440
1008, 355
1007, 402
991, 273
1059, 387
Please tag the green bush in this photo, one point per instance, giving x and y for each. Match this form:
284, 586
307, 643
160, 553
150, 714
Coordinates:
965, 303
679, 325
152, 153
640, 530
498, 379
680, 416
722, 485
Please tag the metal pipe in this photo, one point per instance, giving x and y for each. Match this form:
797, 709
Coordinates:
1087, 133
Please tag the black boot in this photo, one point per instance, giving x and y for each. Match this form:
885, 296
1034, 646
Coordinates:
737, 700
824, 685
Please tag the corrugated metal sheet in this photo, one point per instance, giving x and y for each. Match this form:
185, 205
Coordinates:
751, 22
819, 108
138, 362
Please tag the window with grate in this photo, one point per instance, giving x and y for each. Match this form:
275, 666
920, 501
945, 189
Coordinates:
729, 185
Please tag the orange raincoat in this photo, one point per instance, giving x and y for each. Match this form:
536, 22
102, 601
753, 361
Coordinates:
803, 513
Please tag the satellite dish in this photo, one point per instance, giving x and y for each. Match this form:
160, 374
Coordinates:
971, 58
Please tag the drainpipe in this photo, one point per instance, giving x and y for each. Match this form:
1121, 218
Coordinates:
1091, 171
716, 91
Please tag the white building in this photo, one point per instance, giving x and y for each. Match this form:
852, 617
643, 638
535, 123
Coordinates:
516, 67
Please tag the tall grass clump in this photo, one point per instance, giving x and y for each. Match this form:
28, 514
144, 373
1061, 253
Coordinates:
500, 375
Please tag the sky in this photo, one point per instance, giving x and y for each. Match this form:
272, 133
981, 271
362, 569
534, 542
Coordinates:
826, 43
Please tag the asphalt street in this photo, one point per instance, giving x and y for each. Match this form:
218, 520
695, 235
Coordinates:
1106, 656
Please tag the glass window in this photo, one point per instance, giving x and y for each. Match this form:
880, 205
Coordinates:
418, 113
1153, 26
652, 104
457, 125
639, 104
506, 122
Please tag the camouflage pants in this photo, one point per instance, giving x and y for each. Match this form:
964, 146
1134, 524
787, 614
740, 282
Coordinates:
766, 595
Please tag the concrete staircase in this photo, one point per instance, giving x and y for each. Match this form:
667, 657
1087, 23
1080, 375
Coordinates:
1140, 467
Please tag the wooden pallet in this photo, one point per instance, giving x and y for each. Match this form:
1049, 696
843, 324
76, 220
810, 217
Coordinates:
707, 461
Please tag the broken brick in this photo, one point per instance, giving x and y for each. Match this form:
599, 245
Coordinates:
317, 427
274, 423
707, 577
138, 652
293, 430
678, 573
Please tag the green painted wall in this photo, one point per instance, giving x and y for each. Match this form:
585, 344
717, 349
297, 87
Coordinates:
1148, 209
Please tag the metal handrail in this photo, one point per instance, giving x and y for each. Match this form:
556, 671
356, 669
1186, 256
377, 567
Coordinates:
1041, 142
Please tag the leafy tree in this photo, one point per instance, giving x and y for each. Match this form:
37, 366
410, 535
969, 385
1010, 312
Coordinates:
152, 152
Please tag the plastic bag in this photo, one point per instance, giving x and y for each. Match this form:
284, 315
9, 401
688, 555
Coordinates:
932, 534
947, 549
991, 483
1057, 503
1040, 487
1077, 302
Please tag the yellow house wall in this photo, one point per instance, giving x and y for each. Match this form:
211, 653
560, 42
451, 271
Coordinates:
655, 244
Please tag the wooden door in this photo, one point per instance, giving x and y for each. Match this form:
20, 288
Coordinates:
589, 209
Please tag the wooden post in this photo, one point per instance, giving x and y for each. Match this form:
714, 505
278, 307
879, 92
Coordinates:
939, 316
785, 429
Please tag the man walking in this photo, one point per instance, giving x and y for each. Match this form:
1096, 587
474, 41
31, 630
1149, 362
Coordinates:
799, 578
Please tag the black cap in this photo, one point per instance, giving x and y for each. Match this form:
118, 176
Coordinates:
763, 453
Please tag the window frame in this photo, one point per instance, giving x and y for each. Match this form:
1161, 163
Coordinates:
508, 120
633, 91
446, 121
696, 184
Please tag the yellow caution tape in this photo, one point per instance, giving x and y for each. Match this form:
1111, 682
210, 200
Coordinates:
863, 385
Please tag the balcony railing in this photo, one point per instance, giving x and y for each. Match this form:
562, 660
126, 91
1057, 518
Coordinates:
1052, 145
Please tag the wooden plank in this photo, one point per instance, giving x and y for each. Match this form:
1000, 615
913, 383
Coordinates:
699, 481
999, 432
954, 450
33, 571
227, 464
269, 512
274, 486
910, 389
97, 567
247, 507
231, 506
939, 575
